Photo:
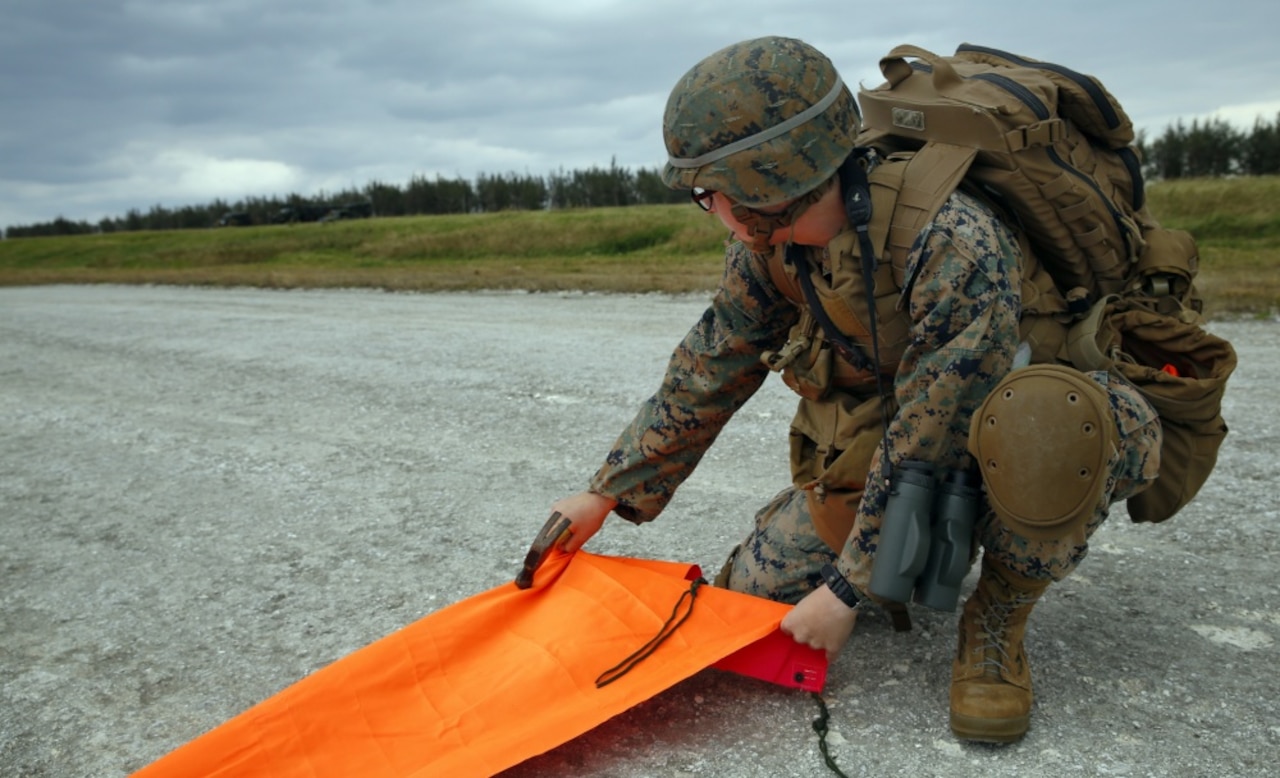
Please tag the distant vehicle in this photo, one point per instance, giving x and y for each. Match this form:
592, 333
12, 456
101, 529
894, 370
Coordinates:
305, 212
361, 210
235, 219
322, 212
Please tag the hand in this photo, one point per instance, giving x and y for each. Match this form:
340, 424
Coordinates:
586, 512
573, 520
821, 621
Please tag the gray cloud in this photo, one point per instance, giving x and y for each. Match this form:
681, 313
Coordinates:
125, 103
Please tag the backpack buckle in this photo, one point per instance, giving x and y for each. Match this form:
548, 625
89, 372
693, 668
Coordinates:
1044, 133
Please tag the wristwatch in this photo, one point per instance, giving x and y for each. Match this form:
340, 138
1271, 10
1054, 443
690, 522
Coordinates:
839, 586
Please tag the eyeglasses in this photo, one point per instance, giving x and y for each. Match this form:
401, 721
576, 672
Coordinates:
704, 198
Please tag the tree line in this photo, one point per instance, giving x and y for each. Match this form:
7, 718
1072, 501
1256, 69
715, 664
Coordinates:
1209, 148
421, 195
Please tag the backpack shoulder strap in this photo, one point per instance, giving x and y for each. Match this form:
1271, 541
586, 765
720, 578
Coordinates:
907, 191
927, 180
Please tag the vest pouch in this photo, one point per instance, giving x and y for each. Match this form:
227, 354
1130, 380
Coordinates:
809, 375
1182, 371
844, 299
1167, 264
1046, 317
833, 442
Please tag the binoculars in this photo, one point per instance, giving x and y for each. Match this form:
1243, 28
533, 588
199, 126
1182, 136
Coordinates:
926, 535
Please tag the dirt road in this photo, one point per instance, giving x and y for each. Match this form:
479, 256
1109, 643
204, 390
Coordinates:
205, 495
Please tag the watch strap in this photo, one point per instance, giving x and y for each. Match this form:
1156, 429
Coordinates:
839, 586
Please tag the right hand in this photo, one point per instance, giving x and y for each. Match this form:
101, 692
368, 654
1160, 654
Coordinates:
820, 620
586, 512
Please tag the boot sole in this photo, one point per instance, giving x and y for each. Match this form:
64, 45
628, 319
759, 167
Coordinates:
983, 730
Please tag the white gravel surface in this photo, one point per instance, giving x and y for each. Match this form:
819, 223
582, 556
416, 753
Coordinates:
207, 494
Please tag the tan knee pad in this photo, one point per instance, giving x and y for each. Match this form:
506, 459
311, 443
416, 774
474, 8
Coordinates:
1044, 438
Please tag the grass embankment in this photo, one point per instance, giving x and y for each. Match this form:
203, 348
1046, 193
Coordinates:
665, 248
651, 248
1236, 223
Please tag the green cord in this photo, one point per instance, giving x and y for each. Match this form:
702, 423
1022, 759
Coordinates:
667, 630
820, 726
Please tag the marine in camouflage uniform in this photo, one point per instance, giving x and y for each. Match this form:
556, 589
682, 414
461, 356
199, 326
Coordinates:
964, 338
767, 123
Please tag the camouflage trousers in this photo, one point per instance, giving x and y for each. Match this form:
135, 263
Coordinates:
783, 555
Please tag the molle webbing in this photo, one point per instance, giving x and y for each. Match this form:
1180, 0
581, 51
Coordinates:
927, 180
1049, 145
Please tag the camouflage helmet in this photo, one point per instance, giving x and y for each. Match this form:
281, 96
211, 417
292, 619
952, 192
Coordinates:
763, 121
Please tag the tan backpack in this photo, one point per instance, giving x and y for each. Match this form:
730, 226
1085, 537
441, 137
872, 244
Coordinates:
1052, 149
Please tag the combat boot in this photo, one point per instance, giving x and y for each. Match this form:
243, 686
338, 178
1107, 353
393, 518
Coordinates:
990, 677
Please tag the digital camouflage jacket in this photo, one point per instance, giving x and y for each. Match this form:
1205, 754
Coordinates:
963, 310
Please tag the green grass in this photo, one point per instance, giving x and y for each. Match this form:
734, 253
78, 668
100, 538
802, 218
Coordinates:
1236, 223
662, 248
671, 248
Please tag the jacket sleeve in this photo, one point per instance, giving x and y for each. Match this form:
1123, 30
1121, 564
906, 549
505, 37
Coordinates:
964, 308
714, 370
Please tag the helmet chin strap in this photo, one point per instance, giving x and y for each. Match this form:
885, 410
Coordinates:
762, 226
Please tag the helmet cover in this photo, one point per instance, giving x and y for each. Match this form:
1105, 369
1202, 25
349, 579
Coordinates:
764, 121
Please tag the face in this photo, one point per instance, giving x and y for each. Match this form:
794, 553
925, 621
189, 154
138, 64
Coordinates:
815, 226
719, 204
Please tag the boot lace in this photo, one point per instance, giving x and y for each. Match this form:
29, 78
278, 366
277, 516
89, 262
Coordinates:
992, 625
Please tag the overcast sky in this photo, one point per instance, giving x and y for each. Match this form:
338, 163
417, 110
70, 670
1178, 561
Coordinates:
107, 105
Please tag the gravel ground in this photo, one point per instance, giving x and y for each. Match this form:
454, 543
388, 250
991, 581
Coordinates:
207, 494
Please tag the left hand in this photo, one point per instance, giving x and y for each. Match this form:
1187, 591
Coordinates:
821, 621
